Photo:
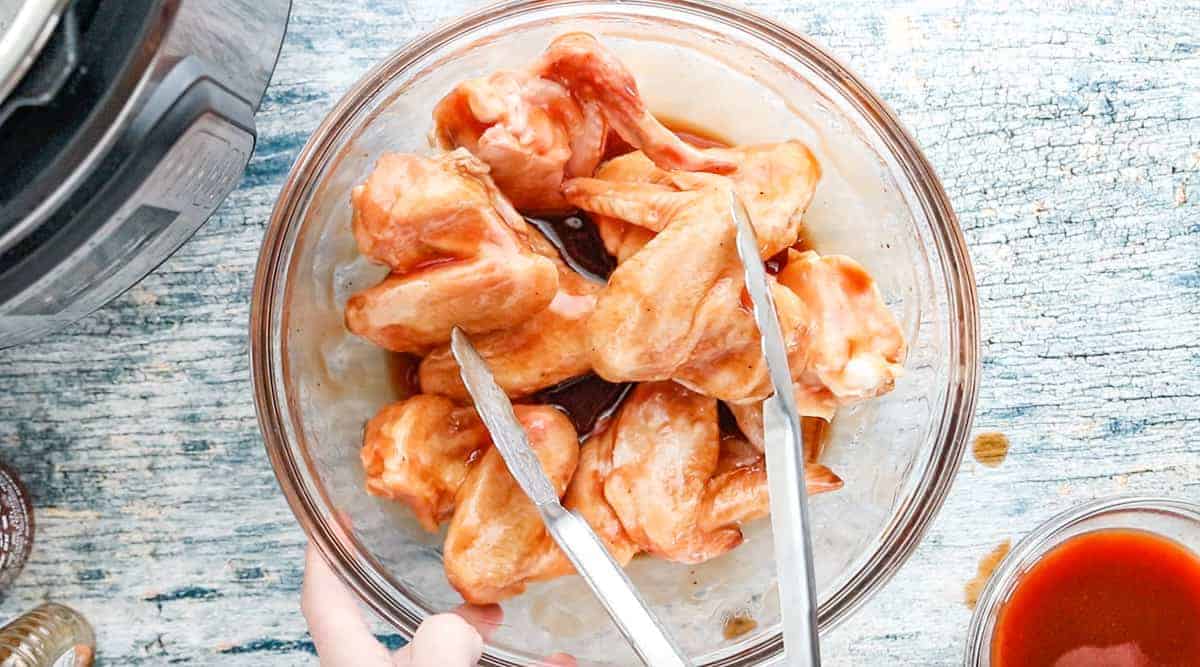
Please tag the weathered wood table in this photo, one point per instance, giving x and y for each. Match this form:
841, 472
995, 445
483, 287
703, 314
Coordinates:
1068, 137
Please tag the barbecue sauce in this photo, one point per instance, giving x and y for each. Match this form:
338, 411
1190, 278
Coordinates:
590, 400
1110, 597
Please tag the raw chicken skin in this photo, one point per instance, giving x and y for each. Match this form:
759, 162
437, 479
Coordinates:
530, 130
669, 486
542, 351
622, 239
665, 450
540, 126
738, 492
776, 182
855, 346
692, 323
585, 495
594, 75
496, 543
458, 251
417, 452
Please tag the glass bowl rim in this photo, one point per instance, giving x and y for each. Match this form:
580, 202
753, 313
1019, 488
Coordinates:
1040, 541
913, 513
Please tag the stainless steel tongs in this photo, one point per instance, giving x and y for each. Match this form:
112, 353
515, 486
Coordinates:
641, 628
785, 462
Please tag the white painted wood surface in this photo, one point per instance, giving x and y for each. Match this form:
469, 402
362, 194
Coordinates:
1068, 137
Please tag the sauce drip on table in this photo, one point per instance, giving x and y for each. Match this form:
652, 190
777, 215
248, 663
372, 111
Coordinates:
990, 448
1110, 597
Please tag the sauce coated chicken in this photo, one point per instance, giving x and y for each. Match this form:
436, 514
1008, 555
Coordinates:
547, 348
691, 323
656, 473
458, 252
540, 126
668, 484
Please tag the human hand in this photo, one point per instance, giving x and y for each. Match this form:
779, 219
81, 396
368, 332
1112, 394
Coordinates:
343, 639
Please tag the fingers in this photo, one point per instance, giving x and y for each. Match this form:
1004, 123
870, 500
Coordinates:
486, 619
444, 640
334, 620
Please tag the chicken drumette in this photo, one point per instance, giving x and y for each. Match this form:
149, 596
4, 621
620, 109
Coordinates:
417, 451
497, 543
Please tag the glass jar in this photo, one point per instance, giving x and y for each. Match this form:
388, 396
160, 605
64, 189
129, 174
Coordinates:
1175, 520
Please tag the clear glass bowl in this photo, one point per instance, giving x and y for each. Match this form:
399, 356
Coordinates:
1173, 519
714, 66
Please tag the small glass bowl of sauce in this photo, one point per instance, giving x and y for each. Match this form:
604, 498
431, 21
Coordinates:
1113, 583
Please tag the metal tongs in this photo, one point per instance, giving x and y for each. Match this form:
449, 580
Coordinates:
641, 628
785, 462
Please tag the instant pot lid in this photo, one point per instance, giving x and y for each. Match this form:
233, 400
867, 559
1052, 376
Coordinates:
25, 26
57, 116
119, 140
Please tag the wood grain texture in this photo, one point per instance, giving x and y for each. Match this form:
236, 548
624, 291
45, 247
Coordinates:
1067, 135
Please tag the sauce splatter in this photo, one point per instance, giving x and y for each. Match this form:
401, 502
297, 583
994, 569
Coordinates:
990, 448
738, 625
1108, 597
987, 565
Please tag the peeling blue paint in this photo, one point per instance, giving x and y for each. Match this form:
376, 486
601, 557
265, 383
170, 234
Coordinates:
188, 593
1120, 426
1187, 280
272, 646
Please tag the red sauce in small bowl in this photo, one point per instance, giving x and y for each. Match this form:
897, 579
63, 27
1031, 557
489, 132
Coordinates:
1110, 598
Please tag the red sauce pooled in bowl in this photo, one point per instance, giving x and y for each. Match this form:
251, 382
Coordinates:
1110, 598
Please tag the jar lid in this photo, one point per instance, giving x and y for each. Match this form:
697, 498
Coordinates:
16, 526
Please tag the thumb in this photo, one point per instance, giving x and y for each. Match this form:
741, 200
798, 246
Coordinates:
444, 640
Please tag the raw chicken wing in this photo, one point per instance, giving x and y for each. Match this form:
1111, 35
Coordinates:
677, 490
530, 130
855, 346
675, 308
458, 251
542, 351
540, 126
417, 451
665, 450
585, 495
749, 419
594, 75
496, 543
852, 348
738, 492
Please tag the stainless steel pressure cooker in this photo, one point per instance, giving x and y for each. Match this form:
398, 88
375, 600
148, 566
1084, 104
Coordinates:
123, 125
